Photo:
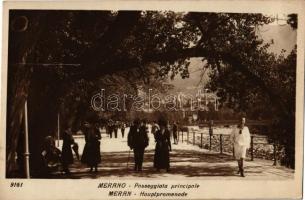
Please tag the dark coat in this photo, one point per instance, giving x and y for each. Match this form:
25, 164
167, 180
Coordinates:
137, 137
67, 156
175, 128
163, 146
91, 154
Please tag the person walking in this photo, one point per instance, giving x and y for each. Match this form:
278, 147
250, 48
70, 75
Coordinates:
123, 126
175, 129
138, 141
115, 128
67, 156
110, 128
163, 147
91, 154
240, 137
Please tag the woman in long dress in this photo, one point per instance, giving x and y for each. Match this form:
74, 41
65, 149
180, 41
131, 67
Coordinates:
91, 154
163, 147
67, 156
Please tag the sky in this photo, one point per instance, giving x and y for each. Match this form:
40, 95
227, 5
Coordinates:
284, 37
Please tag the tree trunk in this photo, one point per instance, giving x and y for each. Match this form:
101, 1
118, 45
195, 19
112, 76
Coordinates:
15, 112
25, 35
42, 109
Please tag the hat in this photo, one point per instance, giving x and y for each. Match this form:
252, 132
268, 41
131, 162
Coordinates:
162, 122
136, 121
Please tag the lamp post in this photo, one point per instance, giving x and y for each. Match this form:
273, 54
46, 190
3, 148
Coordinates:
58, 130
27, 152
211, 123
206, 98
195, 117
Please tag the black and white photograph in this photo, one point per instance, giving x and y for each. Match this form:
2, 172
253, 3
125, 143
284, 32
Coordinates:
151, 94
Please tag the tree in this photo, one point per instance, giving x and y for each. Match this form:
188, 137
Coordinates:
43, 84
245, 94
293, 21
142, 47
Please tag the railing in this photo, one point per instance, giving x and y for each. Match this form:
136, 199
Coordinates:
203, 139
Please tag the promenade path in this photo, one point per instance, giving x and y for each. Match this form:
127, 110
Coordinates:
186, 160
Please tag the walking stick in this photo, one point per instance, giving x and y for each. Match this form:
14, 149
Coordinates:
128, 158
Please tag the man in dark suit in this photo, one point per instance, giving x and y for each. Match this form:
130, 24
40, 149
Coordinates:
175, 129
110, 128
138, 141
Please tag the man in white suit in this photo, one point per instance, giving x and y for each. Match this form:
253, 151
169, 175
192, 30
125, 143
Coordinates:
240, 137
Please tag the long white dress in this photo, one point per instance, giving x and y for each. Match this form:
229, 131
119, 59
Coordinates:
241, 141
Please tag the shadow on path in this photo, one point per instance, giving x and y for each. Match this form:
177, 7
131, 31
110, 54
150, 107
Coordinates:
184, 163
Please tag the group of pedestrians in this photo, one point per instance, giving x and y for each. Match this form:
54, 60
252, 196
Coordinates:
91, 155
112, 127
138, 140
54, 158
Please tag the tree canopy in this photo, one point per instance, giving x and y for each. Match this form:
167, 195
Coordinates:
72, 54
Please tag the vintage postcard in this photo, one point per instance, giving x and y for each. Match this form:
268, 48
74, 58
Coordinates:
152, 99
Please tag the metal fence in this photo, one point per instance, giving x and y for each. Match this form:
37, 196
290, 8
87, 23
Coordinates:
222, 144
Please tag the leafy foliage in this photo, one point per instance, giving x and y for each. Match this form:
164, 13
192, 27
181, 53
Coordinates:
128, 50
